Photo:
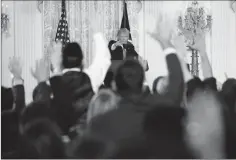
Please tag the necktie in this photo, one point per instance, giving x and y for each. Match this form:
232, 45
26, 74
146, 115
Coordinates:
124, 53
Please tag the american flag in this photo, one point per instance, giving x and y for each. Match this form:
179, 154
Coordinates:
62, 29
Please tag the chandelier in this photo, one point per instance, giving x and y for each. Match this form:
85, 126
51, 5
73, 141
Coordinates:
195, 22
4, 20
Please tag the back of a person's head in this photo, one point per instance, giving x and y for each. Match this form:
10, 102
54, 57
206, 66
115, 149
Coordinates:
129, 76
39, 93
72, 56
91, 146
104, 101
7, 98
76, 85
229, 93
160, 85
41, 139
193, 85
10, 132
35, 110
154, 84
164, 128
77, 93
162, 138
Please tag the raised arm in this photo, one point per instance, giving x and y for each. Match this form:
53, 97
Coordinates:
102, 58
176, 83
200, 46
163, 34
15, 68
178, 42
101, 63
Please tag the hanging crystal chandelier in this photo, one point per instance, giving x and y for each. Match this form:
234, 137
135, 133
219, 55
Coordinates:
4, 20
195, 22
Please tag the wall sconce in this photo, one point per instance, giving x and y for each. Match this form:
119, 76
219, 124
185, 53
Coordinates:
5, 20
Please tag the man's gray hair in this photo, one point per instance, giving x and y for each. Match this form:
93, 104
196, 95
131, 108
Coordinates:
123, 30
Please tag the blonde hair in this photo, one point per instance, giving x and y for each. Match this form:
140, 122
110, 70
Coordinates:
123, 30
104, 101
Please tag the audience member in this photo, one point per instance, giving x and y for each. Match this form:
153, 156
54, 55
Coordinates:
101, 103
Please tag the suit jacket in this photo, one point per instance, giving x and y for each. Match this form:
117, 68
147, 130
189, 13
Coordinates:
72, 93
117, 54
10, 121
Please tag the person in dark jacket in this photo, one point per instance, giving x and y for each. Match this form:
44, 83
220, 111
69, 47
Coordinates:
122, 48
10, 118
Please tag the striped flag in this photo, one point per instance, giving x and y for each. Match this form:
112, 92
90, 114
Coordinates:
62, 29
125, 19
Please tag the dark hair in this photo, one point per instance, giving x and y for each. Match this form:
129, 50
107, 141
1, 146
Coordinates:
77, 93
41, 139
154, 85
164, 128
35, 110
91, 146
228, 93
108, 79
10, 132
72, 56
129, 76
42, 92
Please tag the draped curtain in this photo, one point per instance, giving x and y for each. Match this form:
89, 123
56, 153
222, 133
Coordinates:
110, 19
78, 13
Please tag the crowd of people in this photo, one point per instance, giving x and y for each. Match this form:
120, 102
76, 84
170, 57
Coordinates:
74, 115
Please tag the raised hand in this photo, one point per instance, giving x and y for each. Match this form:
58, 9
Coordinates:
163, 31
41, 72
118, 43
56, 56
15, 67
200, 43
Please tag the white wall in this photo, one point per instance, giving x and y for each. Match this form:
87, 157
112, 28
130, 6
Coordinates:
221, 41
25, 41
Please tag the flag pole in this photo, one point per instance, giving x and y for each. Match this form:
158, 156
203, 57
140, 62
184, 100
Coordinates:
63, 7
124, 2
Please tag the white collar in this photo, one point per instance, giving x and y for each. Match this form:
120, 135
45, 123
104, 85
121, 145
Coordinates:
71, 69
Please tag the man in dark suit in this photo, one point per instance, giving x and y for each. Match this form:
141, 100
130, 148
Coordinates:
122, 48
